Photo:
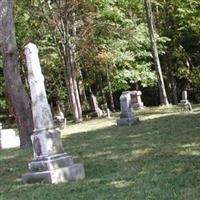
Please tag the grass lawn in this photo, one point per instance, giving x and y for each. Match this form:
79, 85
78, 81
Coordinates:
157, 159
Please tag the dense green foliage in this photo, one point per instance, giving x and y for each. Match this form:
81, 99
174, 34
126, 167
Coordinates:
155, 159
112, 45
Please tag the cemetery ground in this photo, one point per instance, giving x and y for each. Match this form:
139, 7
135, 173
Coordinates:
158, 158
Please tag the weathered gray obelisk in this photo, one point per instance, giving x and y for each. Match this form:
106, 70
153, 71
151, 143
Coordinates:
50, 164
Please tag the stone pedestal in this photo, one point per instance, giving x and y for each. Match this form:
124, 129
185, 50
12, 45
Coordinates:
185, 102
126, 116
50, 164
54, 169
136, 99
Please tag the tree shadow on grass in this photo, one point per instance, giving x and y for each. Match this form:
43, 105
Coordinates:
155, 159
164, 133
166, 148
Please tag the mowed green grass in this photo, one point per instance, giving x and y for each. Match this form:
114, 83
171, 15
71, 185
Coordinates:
156, 159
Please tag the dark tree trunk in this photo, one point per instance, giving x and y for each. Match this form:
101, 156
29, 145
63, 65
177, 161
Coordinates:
71, 81
161, 85
112, 105
14, 86
64, 24
170, 28
82, 92
70, 63
104, 102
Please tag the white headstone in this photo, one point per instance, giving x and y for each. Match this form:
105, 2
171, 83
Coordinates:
126, 116
184, 95
8, 139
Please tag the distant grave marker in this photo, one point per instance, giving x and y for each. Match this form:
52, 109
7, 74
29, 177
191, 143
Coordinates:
185, 102
136, 100
126, 116
95, 106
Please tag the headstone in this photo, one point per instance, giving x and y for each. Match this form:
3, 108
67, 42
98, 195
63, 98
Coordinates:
184, 95
50, 164
8, 138
108, 113
126, 116
185, 102
60, 120
95, 106
136, 99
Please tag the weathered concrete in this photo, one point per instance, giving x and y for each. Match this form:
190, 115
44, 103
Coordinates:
126, 116
50, 164
8, 139
185, 102
136, 100
59, 175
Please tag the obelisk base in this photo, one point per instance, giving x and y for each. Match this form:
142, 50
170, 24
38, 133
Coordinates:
127, 121
54, 169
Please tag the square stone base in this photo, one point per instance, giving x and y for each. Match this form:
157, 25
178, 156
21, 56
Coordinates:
138, 105
60, 175
54, 169
185, 104
127, 121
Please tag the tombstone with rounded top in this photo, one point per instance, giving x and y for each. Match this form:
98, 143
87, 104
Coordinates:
126, 116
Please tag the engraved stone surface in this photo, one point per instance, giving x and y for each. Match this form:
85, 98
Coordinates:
126, 116
65, 174
42, 116
46, 139
185, 102
50, 164
136, 100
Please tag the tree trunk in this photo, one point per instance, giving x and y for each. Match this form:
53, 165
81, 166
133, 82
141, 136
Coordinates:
14, 86
82, 92
70, 64
170, 28
75, 109
161, 85
72, 83
64, 25
112, 105
104, 102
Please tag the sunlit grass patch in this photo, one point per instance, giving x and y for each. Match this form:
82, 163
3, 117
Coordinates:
157, 158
